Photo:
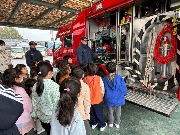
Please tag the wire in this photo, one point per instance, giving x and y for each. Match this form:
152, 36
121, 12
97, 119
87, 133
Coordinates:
172, 53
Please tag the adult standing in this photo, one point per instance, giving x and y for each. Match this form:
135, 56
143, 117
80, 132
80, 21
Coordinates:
5, 57
32, 54
84, 52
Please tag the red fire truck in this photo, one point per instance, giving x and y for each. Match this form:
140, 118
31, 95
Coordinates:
140, 36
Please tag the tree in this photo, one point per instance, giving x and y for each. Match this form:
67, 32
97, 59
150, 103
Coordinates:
9, 33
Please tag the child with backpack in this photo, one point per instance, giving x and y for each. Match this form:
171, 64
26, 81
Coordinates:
84, 102
96, 86
66, 119
115, 91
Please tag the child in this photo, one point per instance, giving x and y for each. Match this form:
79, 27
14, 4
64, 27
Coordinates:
11, 108
10, 66
48, 61
24, 72
23, 69
84, 102
66, 120
68, 59
56, 72
84, 67
65, 70
44, 95
115, 90
35, 62
33, 73
29, 83
12, 78
96, 93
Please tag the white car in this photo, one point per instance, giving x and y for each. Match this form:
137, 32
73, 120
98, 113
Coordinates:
17, 52
42, 49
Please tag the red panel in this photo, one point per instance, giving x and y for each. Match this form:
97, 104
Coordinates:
106, 5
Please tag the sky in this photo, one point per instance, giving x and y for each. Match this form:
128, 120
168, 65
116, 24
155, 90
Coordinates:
36, 34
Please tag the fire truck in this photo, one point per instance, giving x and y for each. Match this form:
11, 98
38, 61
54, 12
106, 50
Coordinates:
141, 36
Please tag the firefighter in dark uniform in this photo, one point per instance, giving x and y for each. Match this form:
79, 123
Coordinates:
32, 54
84, 52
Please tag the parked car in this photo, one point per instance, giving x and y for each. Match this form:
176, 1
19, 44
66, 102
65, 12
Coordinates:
42, 49
17, 52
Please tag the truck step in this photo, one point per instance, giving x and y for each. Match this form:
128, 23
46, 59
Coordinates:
152, 102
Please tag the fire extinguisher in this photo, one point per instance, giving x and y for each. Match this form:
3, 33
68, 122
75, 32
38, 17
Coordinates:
165, 52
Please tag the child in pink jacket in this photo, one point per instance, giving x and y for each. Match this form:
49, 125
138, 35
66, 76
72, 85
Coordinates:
12, 78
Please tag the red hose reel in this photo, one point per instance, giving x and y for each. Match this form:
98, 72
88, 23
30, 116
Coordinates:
168, 28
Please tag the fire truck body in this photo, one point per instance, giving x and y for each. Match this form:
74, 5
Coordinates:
80, 27
70, 36
141, 37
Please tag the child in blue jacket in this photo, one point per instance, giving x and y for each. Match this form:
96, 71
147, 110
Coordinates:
115, 91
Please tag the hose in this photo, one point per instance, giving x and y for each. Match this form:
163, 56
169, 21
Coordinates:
168, 28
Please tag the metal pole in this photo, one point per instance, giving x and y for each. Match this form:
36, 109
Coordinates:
118, 37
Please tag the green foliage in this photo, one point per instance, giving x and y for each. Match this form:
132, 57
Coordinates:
9, 33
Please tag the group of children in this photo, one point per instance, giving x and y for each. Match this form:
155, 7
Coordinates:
67, 99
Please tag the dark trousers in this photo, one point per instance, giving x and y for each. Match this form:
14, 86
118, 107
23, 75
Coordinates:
47, 127
96, 115
88, 127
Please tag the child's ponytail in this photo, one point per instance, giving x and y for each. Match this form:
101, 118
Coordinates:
66, 109
39, 85
69, 90
42, 69
28, 84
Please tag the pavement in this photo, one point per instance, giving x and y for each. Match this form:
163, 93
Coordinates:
136, 120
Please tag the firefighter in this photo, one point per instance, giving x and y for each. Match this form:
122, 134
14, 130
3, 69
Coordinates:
32, 54
84, 52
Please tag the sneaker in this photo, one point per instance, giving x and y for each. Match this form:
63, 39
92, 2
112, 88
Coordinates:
94, 126
35, 129
42, 130
110, 125
102, 128
116, 125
